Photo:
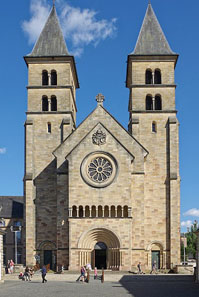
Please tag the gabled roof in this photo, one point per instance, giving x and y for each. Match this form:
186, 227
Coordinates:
100, 116
151, 39
51, 41
11, 206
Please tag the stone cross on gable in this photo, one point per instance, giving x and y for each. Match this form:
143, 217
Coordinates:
100, 99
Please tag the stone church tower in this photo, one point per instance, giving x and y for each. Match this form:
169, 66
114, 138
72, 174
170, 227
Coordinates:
98, 193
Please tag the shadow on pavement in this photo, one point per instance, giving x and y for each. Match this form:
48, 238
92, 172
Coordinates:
160, 286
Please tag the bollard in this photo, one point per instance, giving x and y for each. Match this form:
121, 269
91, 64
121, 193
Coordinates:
102, 278
88, 275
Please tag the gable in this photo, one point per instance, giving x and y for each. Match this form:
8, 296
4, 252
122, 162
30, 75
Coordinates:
102, 117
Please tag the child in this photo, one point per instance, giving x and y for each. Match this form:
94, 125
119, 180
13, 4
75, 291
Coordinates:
95, 273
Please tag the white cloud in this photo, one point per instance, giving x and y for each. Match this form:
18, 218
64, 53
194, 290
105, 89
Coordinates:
80, 26
194, 212
187, 223
39, 10
2, 150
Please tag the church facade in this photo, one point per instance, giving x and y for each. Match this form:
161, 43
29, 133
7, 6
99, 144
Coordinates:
98, 193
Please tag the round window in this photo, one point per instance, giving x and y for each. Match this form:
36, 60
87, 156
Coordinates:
99, 169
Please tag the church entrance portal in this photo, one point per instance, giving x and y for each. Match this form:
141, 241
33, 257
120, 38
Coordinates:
48, 258
100, 255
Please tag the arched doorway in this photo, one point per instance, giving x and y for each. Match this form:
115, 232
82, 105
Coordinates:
101, 248
100, 255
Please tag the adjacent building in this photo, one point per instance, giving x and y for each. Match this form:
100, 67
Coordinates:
99, 193
11, 219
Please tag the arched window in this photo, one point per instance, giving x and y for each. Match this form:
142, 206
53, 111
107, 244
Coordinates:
157, 78
49, 127
154, 127
149, 103
106, 211
112, 211
119, 211
148, 77
53, 103
44, 103
100, 211
87, 211
74, 211
158, 102
53, 78
93, 211
80, 211
125, 211
44, 78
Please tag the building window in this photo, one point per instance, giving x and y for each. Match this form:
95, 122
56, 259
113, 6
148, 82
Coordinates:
125, 211
81, 211
44, 103
149, 103
49, 127
157, 77
53, 78
154, 127
158, 103
18, 224
4, 239
148, 77
44, 78
53, 103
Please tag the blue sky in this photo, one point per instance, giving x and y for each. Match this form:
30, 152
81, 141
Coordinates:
101, 34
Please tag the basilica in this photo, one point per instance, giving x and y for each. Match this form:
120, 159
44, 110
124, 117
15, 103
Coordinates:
99, 193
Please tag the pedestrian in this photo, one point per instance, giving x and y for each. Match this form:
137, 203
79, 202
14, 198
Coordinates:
11, 266
27, 274
154, 268
43, 274
95, 273
83, 271
139, 268
8, 267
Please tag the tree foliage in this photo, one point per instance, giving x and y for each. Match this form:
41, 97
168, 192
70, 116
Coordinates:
191, 241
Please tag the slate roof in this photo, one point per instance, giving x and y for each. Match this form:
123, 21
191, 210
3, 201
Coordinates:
51, 41
11, 206
151, 39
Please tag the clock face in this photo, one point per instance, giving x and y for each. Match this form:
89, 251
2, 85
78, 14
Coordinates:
99, 169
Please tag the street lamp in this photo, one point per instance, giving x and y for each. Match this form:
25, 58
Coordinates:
15, 229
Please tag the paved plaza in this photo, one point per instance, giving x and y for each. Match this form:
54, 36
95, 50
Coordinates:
124, 285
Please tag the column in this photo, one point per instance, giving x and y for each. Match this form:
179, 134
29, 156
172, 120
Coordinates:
122, 211
103, 211
153, 102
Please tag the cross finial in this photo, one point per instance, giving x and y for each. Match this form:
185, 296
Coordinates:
53, 2
100, 99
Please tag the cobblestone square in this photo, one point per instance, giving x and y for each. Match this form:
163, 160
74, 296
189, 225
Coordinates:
125, 285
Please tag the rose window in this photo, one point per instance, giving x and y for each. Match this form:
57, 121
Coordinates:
100, 169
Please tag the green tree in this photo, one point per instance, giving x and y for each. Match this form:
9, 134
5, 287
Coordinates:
191, 240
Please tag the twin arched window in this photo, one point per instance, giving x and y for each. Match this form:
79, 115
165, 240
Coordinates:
153, 103
153, 77
49, 78
49, 104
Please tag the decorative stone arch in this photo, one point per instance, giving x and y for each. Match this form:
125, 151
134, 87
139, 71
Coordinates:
44, 248
158, 248
89, 239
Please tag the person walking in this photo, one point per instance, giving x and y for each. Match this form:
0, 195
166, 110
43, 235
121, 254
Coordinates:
139, 268
43, 274
154, 268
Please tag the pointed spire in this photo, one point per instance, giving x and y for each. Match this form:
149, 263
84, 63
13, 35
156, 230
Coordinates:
151, 40
51, 41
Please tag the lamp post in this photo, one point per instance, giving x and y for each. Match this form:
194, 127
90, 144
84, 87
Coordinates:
15, 229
